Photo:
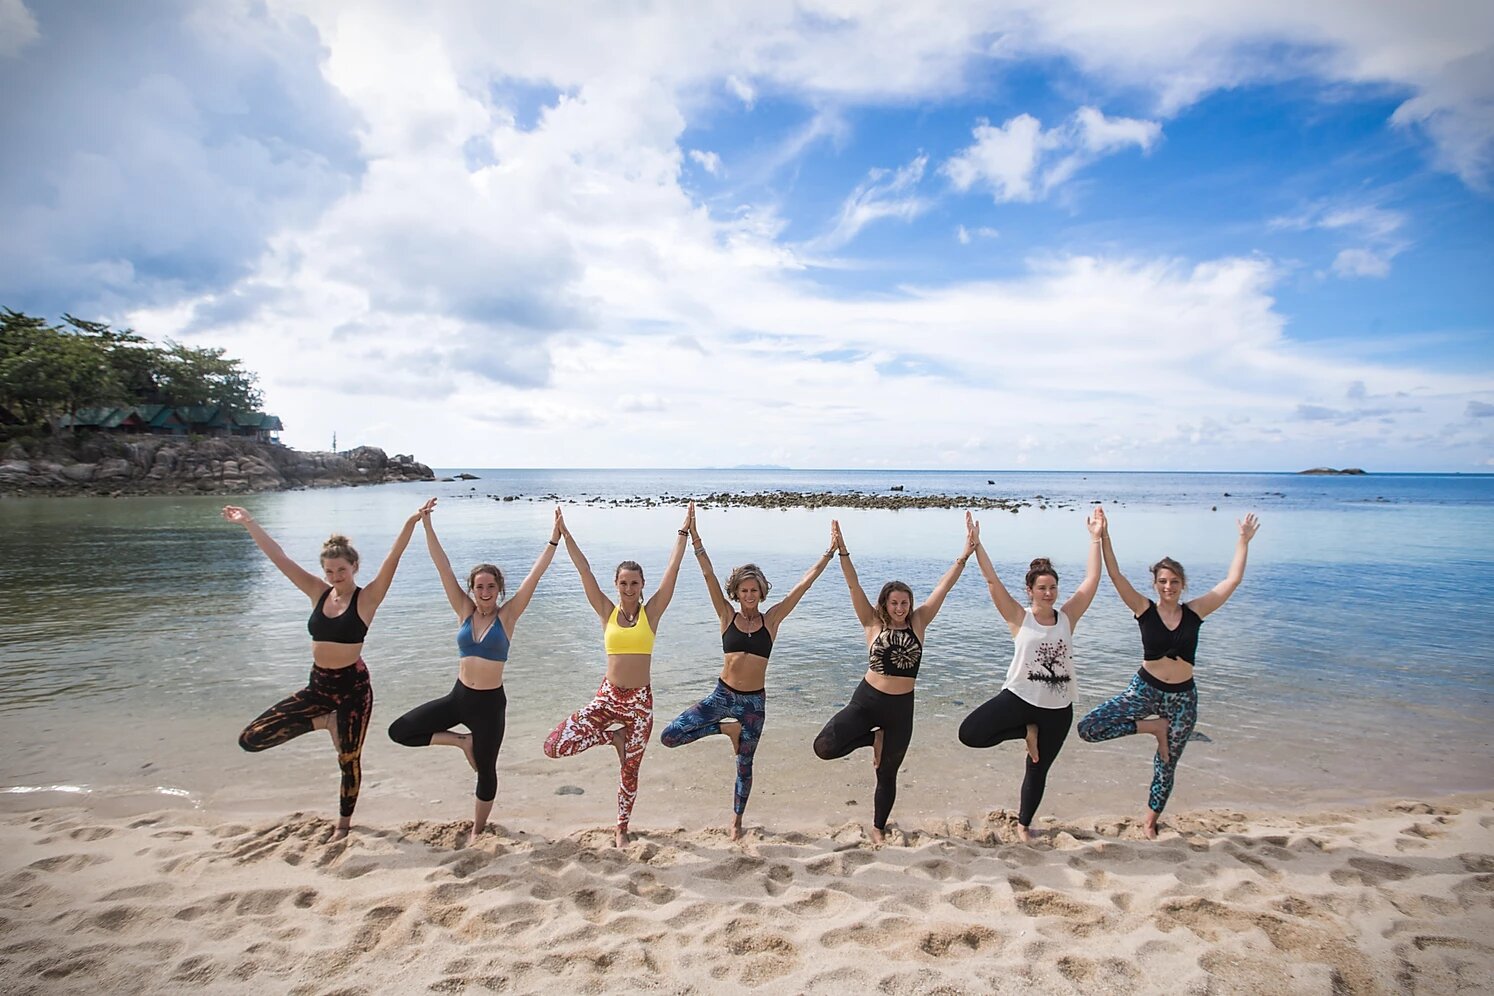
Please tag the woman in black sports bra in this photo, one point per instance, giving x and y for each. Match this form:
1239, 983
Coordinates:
737, 706
338, 698
1161, 699
880, 713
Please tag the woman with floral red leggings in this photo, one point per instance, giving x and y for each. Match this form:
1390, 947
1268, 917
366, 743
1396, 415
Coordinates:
622, 713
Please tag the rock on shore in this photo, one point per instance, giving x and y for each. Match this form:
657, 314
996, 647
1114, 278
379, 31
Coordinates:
149, 465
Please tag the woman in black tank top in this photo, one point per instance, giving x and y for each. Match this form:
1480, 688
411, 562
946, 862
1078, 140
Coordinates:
880, 713
737, 706
338, 698
1161, 699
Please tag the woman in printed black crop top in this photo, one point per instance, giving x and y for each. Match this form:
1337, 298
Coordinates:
1161, 700
486, 622
339, 698
880, 713
738, 704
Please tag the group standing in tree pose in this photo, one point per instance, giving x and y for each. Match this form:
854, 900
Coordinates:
1035, 703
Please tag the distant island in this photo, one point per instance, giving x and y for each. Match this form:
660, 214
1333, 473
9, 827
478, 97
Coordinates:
1322, 471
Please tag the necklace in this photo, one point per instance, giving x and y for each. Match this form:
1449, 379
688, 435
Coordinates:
626, 616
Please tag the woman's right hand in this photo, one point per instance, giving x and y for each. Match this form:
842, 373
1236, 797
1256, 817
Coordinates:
423, 513
559, 528
238, 516
837, 541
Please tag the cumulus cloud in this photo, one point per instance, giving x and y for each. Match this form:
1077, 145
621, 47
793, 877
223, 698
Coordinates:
708, 161
1021, 161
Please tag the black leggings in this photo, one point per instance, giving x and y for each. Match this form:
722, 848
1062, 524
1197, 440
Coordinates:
344, 692
1005, 718
853, 728
484, 712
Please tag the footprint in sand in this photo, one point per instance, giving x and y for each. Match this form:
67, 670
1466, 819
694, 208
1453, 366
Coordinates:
1108, 975
976, 899
153, 890
68, 862
91, 833
959, 941
1369, 871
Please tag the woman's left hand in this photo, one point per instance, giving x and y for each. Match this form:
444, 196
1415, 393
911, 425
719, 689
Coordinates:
424, 511
1096, 522
1248, 526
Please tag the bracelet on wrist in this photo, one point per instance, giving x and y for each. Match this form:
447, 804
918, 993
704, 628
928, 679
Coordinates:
700, 551
684, 532
554, 543
845, 553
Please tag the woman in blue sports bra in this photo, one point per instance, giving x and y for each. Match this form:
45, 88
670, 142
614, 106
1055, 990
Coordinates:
737, 706
1161, 699
338, 698
477, 700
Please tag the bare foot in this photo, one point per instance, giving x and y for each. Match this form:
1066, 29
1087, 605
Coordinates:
617, 743
341, 830
877, 751
328, 721
622, 839
1149, 826
464, 741
877, 837
1158, 729
1025, 834
733, 732
1032, 751
736, 828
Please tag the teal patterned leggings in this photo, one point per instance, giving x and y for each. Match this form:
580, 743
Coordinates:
1117, 718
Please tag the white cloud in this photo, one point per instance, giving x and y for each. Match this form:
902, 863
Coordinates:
708, 161
1361, 263
1377, 231
742, 89
883, 194
17, 27
967, 235
1020, 161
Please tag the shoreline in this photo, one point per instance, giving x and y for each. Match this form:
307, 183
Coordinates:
1397, 896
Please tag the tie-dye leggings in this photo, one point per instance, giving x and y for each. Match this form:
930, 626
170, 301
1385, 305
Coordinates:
590, 726
704, 718
1117, 718
344, 692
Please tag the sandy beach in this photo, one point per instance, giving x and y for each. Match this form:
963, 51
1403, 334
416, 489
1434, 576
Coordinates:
1397, 897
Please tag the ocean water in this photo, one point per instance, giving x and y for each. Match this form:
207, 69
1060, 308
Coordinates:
139, 635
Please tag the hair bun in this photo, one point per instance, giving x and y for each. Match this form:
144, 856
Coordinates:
1040, 564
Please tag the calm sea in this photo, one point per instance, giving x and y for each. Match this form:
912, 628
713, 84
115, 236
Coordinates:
138, 635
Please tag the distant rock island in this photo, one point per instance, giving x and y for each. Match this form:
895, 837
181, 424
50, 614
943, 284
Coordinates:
1330, 470
113, 464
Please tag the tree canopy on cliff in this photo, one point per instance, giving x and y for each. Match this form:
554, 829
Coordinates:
50, 370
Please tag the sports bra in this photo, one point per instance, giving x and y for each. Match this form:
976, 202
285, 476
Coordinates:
492, 647
758, 642
895, 653
635, 639
346, 628
1157, 641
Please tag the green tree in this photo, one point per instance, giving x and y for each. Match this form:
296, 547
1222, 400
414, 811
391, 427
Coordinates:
136, 361
47, 371
191, 375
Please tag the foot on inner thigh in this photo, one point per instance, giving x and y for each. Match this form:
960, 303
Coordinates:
1158, 729
1032, 750
619, 744
877, 753
464, 741
733, 733
328, 721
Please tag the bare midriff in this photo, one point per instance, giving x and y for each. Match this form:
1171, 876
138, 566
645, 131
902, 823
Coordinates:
1172, 670
481, 674
335, 656
745, 672
628, 670
888, 684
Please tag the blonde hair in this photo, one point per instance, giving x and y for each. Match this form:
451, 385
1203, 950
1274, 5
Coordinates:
339, 547
743, 573
487, 569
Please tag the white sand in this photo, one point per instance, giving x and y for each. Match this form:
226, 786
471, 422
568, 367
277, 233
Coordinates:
1393, 898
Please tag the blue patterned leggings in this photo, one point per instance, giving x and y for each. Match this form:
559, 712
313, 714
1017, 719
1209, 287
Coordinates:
704, 718
1117, 718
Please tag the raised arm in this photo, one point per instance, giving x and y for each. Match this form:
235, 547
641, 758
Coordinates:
925, 613
512, 609
375, 590
775, 616
1078, 602
1135, 600
862, 605
311, 586
600, 603
1011, 610
1219, 594
461, 602
724, 610
662, 595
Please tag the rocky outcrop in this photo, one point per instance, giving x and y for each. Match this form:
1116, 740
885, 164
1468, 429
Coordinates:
1327, 471
133, 465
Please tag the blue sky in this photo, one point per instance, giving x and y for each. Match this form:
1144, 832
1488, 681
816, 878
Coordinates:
983, 235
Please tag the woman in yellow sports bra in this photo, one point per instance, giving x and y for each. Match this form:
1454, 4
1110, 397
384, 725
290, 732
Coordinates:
624, 698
